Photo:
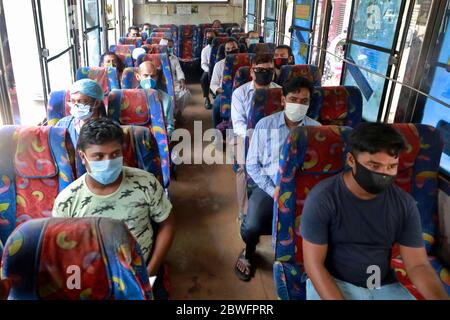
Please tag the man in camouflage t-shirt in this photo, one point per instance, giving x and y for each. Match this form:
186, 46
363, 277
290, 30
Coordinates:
110, 190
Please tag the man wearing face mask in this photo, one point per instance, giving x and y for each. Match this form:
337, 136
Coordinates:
262, 166
146, 31
262, 73
110, 59
86, 99
252, 38
149, 77
133, 32
182, 93
110, 190
283, 56
205, 80
351, 221
231, 47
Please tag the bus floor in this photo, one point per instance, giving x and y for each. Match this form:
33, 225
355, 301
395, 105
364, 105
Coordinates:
207, 241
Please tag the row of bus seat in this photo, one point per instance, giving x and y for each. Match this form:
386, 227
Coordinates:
37, 163
73, 259
312, 154
134, 107
188, 39
108, 77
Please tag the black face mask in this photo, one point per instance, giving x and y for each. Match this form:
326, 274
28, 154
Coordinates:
264, 78
209, 40
235, 51
279, 62
371, 181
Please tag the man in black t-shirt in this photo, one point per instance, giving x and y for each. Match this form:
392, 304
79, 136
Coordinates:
351, 221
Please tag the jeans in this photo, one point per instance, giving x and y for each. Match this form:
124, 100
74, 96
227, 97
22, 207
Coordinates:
205, 82
393, 291
258, 220
216, 112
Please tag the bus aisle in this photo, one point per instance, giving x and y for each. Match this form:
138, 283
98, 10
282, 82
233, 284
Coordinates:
201, 260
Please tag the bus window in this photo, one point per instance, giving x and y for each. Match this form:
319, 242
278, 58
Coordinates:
434, 113
92, 33
373, 35
25, 61
301, 30
270, 21
251, 15
337, 36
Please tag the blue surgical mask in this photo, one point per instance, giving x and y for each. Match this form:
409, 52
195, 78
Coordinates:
253, 41
107, 171
148, 83
81, 111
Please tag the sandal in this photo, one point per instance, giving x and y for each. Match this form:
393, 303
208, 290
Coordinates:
247, 274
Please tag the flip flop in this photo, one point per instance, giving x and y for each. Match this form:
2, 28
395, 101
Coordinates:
248, 267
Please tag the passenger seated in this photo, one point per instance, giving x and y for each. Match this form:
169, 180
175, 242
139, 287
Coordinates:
351, 221
182, 93
282, 56
216, 24
205, 57
110, 59
262, 166
251, 38
133, 32
262, 73
86, 98
231, 47
109, 189
147, 28
149, 77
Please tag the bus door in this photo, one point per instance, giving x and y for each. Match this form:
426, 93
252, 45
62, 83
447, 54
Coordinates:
90, 17
270, 21
250, 18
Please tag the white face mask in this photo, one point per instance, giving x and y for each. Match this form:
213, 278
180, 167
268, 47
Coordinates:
296, 112
81, 111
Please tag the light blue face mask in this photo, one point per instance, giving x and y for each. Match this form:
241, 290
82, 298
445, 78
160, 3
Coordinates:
81, 112
148, 83
253, 41
107, 171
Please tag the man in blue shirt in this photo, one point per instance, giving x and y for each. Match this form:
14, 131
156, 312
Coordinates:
86, 102
351, 221
149, 77
262, 166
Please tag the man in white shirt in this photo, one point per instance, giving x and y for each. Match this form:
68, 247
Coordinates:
205, 80
231, 47
262, 73
182, 93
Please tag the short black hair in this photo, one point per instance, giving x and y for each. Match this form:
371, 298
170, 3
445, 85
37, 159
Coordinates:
99, 131
211, 31
133, 28
295, 84
288, 48
232, 40
262, 57
376, 137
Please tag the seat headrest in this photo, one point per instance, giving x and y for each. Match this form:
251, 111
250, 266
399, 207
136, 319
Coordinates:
34, 158
134, 107
408, 157
74, 259
322, 143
